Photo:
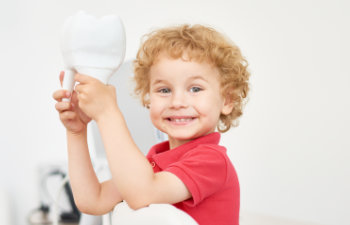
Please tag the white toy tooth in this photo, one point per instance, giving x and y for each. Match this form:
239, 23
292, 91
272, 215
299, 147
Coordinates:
92, 46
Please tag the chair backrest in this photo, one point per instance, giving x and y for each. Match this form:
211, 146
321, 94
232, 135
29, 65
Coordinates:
154, 214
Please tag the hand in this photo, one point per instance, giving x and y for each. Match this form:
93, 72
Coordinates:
72, 117
94, 97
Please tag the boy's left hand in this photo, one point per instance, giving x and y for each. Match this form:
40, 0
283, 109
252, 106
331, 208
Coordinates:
95, 98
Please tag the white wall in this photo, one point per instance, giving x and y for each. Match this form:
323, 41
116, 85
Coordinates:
292, 147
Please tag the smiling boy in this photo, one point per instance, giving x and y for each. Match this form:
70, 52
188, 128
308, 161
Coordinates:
185, 98
193, 80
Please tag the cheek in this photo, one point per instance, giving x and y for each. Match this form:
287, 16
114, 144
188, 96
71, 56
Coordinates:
210, 108
155, 109
153, 114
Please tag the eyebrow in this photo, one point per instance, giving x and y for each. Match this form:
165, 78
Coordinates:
196, 77
157, 81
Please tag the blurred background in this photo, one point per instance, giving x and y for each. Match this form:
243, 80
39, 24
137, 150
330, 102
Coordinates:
292, 147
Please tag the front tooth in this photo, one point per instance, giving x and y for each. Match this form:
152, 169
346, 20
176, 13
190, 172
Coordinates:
182, 120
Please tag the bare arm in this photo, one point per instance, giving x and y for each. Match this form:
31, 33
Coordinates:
90, 196
131, 171
132, 174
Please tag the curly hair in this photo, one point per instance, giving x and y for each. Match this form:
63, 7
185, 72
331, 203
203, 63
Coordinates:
200, 43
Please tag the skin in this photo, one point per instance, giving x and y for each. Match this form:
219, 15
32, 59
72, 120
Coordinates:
185, 99
191, 110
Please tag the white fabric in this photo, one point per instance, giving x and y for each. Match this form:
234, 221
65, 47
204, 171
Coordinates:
155, 214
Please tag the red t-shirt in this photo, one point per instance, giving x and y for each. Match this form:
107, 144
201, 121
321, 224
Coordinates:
205, 169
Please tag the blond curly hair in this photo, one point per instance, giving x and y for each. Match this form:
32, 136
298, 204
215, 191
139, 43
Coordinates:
201, 44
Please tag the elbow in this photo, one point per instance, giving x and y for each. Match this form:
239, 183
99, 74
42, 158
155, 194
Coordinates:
90, 210
139, 197
83, 208
136, 204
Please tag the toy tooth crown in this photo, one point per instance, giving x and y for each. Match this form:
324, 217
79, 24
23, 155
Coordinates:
92, 46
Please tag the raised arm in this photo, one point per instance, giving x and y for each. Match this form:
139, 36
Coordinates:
131, 171
91, 196
132, 174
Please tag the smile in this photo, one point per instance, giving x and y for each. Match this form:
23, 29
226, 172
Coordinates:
180, 120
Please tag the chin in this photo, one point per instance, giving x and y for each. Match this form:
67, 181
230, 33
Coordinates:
184, 136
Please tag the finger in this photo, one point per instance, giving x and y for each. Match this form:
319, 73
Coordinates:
59, 94
63, 106
74, 98
68, 115
79, 88
61, 77
83, 79
82, 89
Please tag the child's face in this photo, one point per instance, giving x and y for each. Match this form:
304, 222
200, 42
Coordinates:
185, 99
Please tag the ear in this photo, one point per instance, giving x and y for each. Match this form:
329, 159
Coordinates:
228, 106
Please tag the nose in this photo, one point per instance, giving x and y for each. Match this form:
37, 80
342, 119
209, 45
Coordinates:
179, 100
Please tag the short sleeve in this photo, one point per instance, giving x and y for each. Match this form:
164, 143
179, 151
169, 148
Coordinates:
203, 170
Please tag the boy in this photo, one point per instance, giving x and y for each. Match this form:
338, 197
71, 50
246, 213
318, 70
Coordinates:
193, 80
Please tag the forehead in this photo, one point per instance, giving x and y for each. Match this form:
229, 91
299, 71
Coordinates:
167, 67
186, 55
185, 61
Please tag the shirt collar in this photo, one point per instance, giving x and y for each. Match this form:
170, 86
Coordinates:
163, 156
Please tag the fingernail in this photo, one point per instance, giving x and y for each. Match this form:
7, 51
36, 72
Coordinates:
67, 94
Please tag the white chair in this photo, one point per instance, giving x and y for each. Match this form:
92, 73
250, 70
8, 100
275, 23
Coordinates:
155, 214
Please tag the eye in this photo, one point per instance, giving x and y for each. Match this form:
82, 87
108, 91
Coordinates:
195, 89
164, 90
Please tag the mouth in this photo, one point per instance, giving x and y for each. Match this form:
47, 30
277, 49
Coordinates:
181, 120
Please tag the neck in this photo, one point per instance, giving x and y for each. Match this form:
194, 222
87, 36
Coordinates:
174, 143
